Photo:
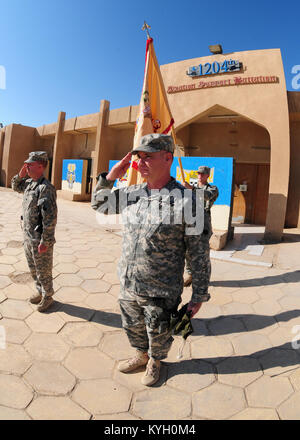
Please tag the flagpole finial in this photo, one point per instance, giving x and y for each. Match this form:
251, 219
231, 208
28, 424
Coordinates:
145, 28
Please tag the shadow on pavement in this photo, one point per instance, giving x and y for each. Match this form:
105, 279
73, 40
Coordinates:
289, 277
105, 318
281, 356
227, 324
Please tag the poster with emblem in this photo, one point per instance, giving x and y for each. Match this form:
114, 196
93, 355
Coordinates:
74, 173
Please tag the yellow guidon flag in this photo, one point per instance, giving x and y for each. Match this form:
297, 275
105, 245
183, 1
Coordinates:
154, 112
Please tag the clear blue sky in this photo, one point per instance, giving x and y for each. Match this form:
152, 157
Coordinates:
69, 54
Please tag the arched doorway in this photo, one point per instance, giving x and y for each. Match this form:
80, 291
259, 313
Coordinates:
221, 132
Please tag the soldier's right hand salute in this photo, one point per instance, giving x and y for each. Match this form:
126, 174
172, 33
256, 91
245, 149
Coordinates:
23, 171
120, 168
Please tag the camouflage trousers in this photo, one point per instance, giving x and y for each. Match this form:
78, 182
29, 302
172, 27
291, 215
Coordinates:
40, 266
146, 322
207, 266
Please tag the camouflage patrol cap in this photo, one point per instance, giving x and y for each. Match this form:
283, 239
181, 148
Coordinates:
37, 156
151, 143
203, 170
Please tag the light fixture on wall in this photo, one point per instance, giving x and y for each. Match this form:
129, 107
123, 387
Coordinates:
216, 49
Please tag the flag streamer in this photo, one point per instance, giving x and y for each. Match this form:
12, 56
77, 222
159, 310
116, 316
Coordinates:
154, 112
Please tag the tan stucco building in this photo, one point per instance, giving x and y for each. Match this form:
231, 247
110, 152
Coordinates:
246, 113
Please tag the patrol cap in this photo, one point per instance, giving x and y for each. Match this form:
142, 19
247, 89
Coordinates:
151, 143
203, 170
37, 156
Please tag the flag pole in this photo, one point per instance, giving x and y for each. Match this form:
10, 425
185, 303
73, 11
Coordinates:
145, 28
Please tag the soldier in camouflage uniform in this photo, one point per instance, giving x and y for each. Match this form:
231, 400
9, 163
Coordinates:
210, 196
39, 221
153, 253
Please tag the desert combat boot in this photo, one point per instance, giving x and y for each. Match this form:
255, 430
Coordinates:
139, 360
45, 303
36, 298
151, 375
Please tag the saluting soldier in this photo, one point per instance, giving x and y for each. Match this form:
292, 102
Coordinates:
210, 196
39, 221
152, 262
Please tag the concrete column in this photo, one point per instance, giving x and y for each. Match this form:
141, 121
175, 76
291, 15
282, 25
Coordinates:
58, 151
278, 187
102, 151
2, 134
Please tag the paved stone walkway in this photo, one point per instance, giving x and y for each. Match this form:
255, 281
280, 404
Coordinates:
241, 362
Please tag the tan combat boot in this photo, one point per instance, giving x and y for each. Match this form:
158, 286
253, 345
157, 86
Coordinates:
45, 303
140, 359
188, 281
151, 375
36, 298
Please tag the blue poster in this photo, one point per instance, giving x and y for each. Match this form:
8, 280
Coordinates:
72, 175
221, 175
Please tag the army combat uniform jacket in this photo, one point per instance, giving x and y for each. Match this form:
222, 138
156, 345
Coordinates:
39, 209
153, 255
211, 194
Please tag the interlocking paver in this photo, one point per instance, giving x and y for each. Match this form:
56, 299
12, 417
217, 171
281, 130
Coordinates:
11, 308
116, 345
90, 273
70, 294
172, 403
266, 307
44, 323
6, 269
278, 361
289, 410
96, 286
218, 402
250, 343
92, 395
211, 348
267, 392
46, 347
50, 378
12, 414
81, 334
66, 268
18, 291
86, 262
14, 359
102, 301
190, 376
56, 408
4, 281
75, 312
239, 371
239, 363
226, 326
14, 393
68, 280
16, 331
256, 414
295, 378
89, 363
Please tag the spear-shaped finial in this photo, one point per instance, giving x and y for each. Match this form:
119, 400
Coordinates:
145, 28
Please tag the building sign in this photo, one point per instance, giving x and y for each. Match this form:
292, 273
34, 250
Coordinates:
236, 81
214, 68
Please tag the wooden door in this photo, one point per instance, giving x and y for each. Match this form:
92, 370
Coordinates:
251, 206
262, 194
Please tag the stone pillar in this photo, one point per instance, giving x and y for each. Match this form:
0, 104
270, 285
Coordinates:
2, 134
58, 151
278, 187
101, 155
